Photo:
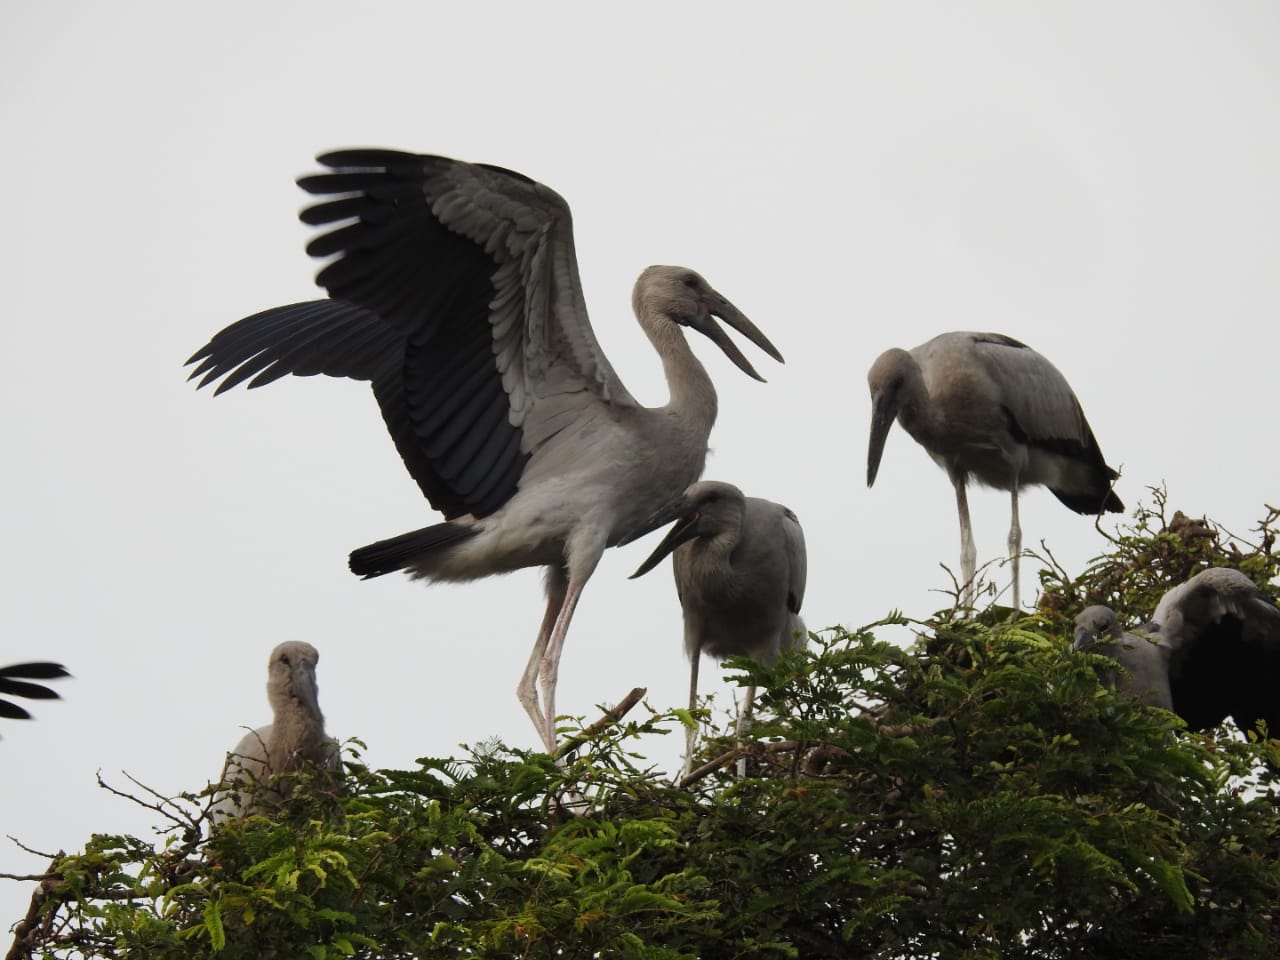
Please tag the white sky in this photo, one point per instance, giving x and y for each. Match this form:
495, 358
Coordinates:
1098, 180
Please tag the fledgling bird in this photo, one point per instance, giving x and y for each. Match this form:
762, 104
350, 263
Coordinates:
255, 776
454, 291
1143, 655
985, 406
740, 569
15, 682
1216, 652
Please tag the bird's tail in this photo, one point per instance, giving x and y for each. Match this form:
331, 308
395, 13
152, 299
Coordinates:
1090, 503
404, 551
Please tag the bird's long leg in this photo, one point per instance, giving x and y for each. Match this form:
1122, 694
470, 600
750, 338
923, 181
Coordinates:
557, 585
1015, 547
691, 734
968, 552
744, 718
549, 667
585, 546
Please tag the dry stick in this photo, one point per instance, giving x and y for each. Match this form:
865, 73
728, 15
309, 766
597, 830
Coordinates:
610, 717
821, 750
711, 766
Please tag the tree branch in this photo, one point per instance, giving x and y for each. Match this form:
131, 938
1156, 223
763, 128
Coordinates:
610, 717
24, 941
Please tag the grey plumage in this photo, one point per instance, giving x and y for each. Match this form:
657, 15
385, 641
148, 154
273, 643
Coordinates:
456, 294
1216, 652
255, 775
740, 570
988, 407
1143, 656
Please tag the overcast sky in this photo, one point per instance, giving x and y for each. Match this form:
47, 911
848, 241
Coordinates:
1097, 180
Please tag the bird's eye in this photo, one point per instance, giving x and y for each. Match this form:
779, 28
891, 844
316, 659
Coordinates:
690, 281
284, 658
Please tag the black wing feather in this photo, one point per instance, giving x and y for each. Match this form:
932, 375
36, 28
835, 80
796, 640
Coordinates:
14, 682
409, 313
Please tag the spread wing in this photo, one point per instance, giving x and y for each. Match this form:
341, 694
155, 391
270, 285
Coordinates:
1225, 638
15, 682
455, 292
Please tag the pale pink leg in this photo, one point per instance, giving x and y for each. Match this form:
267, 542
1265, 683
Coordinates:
582, 553
527, 690
549, 669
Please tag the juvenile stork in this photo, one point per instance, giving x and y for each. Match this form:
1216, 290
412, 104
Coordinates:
1211, 651
15, 681
255, 774
1143, 655
985, 406
739, 564
454, 291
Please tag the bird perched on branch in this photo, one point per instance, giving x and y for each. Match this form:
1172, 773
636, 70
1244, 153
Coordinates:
1211, 651
255, 776
740, 570
985, 406
455, 293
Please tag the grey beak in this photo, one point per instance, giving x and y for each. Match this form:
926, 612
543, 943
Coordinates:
882, 417
726, 311
685, 529
303, 679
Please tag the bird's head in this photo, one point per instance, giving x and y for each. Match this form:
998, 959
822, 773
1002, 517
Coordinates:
888, 379
291, 676
681, 295
703, 510
1095, 624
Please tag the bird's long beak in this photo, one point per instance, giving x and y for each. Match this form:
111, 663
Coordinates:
686, 528
726, 311
305, 689
1084, 638
882, 416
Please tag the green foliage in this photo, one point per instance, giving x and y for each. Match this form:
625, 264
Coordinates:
976, 795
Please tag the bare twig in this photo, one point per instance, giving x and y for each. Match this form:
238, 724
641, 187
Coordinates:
129, 796
609, 718
25, 849
166, 806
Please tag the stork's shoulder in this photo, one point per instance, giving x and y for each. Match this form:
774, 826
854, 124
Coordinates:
1032, 390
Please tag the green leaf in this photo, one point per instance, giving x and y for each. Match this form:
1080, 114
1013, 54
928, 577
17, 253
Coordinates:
213, 924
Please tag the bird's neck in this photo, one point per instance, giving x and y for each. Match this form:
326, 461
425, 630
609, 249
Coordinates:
712, 557
692, 394
294, 729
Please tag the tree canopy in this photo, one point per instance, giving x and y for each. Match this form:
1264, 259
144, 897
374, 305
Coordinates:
975, 794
